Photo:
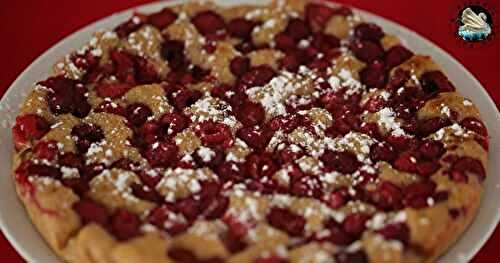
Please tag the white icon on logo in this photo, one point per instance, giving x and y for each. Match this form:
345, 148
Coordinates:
475, 27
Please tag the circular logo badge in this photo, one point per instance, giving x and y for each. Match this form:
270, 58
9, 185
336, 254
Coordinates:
474, 23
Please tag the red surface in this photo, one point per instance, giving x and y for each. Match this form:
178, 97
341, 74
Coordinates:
29, 27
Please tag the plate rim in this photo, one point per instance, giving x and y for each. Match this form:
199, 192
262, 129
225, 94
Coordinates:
403, 30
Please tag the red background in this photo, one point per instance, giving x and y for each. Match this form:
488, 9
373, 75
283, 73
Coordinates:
29, 27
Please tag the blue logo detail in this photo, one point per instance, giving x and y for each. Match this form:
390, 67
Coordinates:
475, 24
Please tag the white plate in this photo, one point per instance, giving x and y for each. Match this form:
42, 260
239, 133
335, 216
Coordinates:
23, 236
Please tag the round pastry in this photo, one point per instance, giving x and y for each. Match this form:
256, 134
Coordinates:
292, 132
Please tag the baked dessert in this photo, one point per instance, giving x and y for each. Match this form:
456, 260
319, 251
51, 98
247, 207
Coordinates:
292, 132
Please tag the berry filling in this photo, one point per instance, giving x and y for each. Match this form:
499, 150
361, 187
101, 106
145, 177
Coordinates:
66, 96
209, 23
161, 154
162, 19
287, 221
85, 135
263, 152
213, 134
183, 255
27, 128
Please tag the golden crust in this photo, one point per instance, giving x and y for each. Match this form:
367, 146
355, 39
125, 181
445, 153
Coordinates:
55, 220
453, 101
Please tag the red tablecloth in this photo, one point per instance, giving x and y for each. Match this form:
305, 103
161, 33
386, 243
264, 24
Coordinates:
29, 27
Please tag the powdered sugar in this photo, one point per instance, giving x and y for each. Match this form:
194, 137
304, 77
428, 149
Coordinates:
467, 102
387, 118
210, 108
205, 153
273, 95
69, 172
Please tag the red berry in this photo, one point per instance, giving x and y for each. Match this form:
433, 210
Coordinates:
182, 255
307, 186
351, 257
454, 213
162, 19
251, 113
146, 71
125, 164
173, 52
165, 218
124, 66
112, 90
337, 235
73, 160
230, 171
366, 51
184, 97
338, 198
287, 221
290, 62
286, 123
289, 153
255, 136
240, 28
436, 81
373, 75
257, 76
284, 42
354, 224
214, 134
270, 259
344, 162
431, 149
124, 29
189, 207
29, 127
406, 162
138, 113
396, 55
46, 150
161, 154
85, 135
324, 42
148, 133
317, 15
42, 170
297, 29
146, 193
416, 194
208, 22
125, 225
239, 65
151, 178
216, 208
92, 170
173, 123
428, 126
397, 231
245, 47
401, 143
387, 196
259, 165
110, 107
474, 125
469, 166
78, 184
66, 96
91, 212
427, 168
368, 31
